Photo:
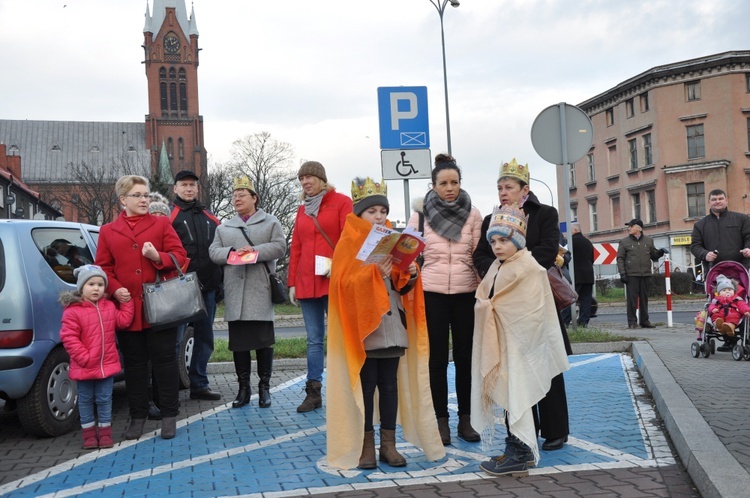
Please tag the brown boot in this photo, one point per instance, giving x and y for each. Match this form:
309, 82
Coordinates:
313, 399
367, 459
388, 452
90, 441
719, 323
728, 329
466, 431
445, 430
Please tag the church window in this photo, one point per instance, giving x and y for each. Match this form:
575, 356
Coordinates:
163, 92
170, 147
173, 99
162, 73
172, 73
182, 74
181, 147
183, 100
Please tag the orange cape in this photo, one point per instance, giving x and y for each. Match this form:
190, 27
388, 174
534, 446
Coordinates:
357, 301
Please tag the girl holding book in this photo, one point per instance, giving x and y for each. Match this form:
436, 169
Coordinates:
377, 338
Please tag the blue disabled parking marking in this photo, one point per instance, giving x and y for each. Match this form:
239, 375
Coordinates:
276, 451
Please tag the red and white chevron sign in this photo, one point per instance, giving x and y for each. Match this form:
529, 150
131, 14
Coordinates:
605, 254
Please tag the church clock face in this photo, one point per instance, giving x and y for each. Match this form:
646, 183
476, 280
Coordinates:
171, 43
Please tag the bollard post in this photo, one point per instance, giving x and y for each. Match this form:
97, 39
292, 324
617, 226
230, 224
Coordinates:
668, 285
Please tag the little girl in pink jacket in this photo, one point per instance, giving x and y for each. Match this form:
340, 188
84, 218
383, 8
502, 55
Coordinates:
88, 329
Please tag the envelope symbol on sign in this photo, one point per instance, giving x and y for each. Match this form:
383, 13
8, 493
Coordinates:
413, 138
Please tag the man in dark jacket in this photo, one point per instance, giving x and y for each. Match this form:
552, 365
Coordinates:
634, 257
583, 270
196, 228
722, 235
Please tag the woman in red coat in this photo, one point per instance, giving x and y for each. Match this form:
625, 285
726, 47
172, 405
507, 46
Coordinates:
308, 288
131, 250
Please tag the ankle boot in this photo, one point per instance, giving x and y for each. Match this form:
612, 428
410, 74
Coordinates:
445, 430
728, 329
90, 442
168, 427
466, 431
265, 366
135, 428
105, 437
388, 452
367, 459
313, 399
242, 367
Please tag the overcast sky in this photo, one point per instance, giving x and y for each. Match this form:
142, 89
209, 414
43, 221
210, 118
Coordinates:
308, 71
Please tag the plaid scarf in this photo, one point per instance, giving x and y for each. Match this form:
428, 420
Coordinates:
447, 219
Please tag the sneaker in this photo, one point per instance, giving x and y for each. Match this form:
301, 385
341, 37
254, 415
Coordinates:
504, 466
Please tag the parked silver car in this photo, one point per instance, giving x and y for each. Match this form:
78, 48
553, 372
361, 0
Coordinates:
37, 259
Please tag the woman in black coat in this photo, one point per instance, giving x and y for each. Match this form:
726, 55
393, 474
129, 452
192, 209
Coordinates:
542, 239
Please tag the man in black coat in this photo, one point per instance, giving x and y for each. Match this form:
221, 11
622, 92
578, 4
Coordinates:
583, 270
196, 228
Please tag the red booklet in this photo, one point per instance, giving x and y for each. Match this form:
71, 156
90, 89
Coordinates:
382, 241
247, 258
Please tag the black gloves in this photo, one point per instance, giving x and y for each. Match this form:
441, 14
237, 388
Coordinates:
624, 279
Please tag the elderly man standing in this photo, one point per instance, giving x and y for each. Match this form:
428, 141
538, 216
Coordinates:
196, 227
722, 235
634, 257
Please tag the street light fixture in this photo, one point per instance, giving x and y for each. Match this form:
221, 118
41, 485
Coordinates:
440, 6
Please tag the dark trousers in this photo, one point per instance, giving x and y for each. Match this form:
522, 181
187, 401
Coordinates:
450, 315
637, 289
551, 413
585, 295
380, 373
157, 347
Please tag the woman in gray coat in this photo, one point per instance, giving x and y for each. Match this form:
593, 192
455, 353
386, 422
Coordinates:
246, 244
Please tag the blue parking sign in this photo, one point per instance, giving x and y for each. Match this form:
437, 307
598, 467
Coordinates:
404, 123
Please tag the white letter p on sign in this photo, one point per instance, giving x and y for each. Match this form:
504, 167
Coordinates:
397, 115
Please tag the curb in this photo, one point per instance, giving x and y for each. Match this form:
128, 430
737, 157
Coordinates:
715, 472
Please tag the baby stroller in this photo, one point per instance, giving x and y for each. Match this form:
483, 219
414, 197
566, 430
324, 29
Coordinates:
706, 343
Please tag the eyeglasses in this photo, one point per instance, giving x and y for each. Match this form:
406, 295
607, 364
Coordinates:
138, 195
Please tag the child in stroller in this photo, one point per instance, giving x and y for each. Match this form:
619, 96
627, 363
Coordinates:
727, 308
722, 316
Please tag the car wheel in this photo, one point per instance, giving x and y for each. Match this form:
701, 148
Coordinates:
51, 406
186, 356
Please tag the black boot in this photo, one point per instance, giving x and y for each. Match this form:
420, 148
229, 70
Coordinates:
242, 367
265, 364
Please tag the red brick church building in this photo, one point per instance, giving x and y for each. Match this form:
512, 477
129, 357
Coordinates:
65, 161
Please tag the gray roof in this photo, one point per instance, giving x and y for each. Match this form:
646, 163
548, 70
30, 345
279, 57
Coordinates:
48, 147
189, 27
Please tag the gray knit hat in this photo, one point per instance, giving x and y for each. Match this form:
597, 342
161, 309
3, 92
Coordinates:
85, 272
312, 168
723, 282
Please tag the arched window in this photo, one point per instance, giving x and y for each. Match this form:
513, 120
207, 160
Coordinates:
172, 73
163, 93
183, 99
181, 148
170, 147
163, 73
182, 74
173, 99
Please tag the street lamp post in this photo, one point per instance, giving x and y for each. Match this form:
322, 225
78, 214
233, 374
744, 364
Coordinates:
440, 6
552, 197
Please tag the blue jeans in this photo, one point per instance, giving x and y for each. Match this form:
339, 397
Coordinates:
203, 343
313, 312
95, 392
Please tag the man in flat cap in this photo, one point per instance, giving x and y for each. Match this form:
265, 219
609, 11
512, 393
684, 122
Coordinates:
634, 257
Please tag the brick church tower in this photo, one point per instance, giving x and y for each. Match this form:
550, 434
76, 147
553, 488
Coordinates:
173, 121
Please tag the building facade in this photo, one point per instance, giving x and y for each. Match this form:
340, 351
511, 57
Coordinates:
71, 163
17, 200
662, 141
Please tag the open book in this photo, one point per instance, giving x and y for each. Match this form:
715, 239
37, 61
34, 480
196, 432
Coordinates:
403, 246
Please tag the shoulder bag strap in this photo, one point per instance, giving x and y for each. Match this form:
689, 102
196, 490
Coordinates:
244, 232
320, 229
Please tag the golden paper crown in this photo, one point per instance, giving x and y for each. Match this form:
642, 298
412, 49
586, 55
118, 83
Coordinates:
368, 188
515, 170
243, 182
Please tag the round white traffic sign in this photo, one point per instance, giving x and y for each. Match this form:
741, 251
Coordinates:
552, 124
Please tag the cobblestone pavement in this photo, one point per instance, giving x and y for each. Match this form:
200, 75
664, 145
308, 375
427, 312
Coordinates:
618, 444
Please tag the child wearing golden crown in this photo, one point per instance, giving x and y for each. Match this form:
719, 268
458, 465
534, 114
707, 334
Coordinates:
517, 343
377, 337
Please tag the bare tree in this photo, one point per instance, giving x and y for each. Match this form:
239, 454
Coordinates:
219, 184
90, 190
268, 164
